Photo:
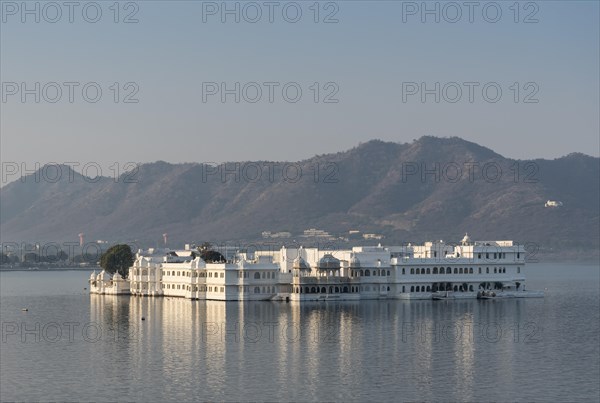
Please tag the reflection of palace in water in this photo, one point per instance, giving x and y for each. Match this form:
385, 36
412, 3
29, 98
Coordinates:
434, 270
295, 341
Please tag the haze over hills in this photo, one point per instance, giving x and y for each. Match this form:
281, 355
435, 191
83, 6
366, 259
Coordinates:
432, 188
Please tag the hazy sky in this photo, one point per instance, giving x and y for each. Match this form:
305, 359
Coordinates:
368, 61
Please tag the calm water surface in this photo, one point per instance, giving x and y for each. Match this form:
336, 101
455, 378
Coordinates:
73, 346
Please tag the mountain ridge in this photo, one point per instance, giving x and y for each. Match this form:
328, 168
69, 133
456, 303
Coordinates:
409, 192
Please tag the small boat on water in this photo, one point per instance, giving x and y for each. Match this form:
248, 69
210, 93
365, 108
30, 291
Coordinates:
441, 295
486, 295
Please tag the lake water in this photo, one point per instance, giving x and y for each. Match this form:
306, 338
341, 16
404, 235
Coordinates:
73, 346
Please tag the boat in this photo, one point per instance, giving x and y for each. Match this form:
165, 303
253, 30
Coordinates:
441, 295
486, 295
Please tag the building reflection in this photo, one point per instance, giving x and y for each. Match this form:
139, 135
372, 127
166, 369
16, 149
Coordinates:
224, 345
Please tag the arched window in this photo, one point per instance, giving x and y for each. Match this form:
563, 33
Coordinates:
448, 270
412, 271
257, 275
367, 273
455, 270
323, 290
494, 270
487, 270
460, 271
470, 270
428, 288
412, 288
403, 289
403, 270
435, 271
361, 273
345, 289
257, 290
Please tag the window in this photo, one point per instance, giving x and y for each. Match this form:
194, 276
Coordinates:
256, 275
480, 270
403, 271
222, 275
412, 271
257, 290
487, 270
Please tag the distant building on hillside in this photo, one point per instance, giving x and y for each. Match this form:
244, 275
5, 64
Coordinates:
373, 236
281, 234
553, 203
316, 233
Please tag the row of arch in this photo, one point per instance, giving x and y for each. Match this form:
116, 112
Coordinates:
439, 287
448, 270
336, 289
367, 273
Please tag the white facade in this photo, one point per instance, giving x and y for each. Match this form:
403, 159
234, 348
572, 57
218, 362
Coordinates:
365, 272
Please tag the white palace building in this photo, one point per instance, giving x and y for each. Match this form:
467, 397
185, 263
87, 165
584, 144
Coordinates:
467, 270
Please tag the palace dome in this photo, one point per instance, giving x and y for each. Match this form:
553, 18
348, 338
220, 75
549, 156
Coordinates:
354, 262
328, 261
301, 264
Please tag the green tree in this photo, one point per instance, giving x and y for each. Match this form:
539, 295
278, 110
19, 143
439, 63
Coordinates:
209, 255
117, 258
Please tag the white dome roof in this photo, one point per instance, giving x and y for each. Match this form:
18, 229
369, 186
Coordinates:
93, 275
300, 263
354, 262
103, 276
466, 239
328, 261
